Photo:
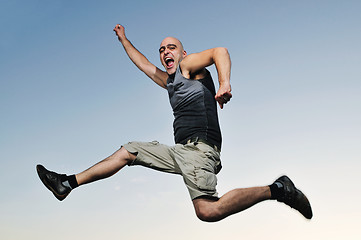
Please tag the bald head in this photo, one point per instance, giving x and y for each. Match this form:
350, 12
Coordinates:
173, 40
171, 53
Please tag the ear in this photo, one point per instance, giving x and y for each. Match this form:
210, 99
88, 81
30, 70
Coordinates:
184, 53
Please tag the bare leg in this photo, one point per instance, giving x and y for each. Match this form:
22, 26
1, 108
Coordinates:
105, 168
232, 202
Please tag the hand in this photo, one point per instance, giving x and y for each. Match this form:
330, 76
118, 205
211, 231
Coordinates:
223, 95
120, 32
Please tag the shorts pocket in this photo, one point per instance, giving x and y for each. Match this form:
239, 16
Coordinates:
205, 180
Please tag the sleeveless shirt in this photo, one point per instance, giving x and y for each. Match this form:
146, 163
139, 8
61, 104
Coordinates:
194, 108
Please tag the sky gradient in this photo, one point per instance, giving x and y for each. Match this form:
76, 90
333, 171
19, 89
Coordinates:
69, 97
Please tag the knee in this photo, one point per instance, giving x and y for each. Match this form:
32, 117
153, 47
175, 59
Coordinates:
208, 214
126, 156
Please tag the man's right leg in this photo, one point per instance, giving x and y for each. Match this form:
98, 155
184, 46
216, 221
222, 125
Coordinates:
61, 185
106, 168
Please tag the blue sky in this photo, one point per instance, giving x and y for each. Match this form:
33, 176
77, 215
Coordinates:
69, 97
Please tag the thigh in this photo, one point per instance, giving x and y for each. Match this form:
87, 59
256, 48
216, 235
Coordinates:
199, 165
153, 155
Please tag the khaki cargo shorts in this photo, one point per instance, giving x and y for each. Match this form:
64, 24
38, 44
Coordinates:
198, 163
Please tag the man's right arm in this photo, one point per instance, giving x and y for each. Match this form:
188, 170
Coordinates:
158, 76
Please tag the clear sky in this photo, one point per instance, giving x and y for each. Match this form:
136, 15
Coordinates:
69, 97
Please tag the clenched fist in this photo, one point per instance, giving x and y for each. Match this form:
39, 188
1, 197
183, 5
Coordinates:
223, 95
120, 32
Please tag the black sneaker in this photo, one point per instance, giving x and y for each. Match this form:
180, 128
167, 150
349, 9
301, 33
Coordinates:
52, 181
294, 197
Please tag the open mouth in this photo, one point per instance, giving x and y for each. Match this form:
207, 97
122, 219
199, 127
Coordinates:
169, 62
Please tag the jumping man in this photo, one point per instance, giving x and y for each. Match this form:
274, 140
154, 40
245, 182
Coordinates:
196, 153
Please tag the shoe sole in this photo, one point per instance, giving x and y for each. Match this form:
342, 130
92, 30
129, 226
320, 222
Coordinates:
307, 213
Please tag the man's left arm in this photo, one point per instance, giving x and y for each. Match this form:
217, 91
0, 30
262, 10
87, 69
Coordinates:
194, 63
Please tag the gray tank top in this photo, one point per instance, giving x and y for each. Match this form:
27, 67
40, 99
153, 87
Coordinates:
194, 108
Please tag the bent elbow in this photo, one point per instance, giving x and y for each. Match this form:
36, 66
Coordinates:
223, 50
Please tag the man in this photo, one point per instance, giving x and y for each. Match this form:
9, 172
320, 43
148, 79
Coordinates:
196, 154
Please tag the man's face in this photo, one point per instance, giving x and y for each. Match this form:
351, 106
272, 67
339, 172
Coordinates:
171, 54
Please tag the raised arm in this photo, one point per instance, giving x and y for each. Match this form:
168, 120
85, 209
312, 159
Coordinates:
193, 65
158, 76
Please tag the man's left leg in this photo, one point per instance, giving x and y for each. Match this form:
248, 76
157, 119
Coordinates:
237, 200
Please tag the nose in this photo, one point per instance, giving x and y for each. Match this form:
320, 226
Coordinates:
166, 51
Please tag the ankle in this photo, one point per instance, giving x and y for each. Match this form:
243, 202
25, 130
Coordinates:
276, 190
70, 181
